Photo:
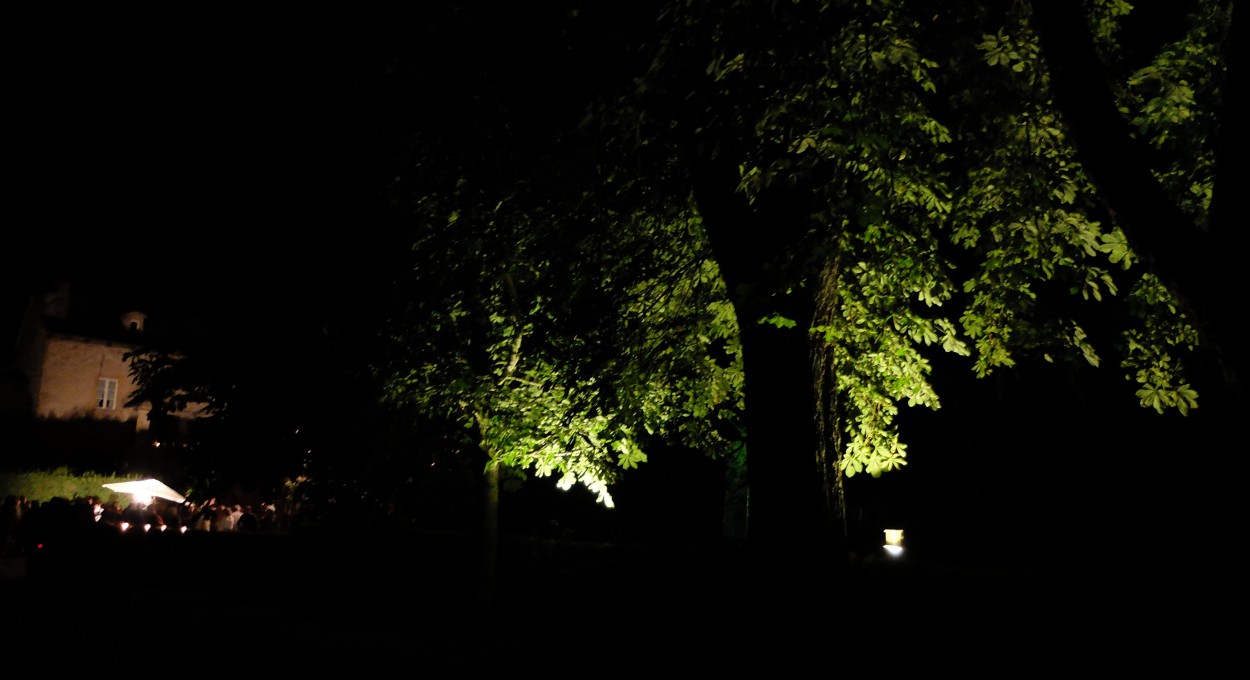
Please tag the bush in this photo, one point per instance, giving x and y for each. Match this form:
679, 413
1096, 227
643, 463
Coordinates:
44, 485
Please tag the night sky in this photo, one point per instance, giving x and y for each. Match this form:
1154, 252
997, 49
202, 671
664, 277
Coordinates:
186, 159
224, 161
237, 158
242, 157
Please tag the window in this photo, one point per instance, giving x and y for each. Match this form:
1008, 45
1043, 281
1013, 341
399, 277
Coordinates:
133, 321
106, 394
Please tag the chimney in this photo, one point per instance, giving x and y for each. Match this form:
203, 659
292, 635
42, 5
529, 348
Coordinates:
56, 302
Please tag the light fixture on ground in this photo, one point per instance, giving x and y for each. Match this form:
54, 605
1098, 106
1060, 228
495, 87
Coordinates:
894, 542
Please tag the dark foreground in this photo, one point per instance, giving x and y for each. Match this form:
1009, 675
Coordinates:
364, 604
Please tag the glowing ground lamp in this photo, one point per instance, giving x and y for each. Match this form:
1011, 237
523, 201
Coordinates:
894, 542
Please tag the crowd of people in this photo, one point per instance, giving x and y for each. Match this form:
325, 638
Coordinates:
23, 522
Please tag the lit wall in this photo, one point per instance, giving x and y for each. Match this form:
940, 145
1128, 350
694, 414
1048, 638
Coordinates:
69, 376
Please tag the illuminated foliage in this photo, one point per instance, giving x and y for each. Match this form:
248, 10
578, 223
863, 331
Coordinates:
560, 340
913, 185
948, 199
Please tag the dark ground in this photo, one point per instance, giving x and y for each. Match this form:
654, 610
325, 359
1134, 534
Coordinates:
331, 604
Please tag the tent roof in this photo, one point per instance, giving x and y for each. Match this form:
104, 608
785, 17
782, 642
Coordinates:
151, 488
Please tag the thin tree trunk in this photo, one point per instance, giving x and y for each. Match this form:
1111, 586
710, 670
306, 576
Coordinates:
488, 541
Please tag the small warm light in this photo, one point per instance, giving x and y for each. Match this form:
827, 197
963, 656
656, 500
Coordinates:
163, 527
894, 542
125, 525
182, 529
146, 527
156, 444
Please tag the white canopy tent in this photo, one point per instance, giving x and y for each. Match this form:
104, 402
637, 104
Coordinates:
147, 489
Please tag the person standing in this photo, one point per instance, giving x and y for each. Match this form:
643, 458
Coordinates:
248, 521
223, 518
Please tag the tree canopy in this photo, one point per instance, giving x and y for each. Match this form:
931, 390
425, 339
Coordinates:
768, 220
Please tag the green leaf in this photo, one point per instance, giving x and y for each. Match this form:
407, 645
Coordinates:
778, 321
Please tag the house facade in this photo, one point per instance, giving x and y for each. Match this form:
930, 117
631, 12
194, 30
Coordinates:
72, 353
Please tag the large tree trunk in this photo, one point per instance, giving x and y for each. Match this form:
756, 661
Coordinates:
790, 528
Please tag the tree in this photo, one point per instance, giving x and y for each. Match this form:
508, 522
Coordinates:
561, 339
864, 168
1156, 167
261, 412
562, 334
877, 184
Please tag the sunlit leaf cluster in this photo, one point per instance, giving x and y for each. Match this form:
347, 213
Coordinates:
1173, 100
563, 342
947, 188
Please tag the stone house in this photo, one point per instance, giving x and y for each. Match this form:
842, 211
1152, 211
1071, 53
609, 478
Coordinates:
72, 354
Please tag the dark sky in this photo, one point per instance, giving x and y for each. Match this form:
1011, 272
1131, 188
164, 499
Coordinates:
166, 146
200, 152
204, 153
195, 155
237, 160
206, 157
